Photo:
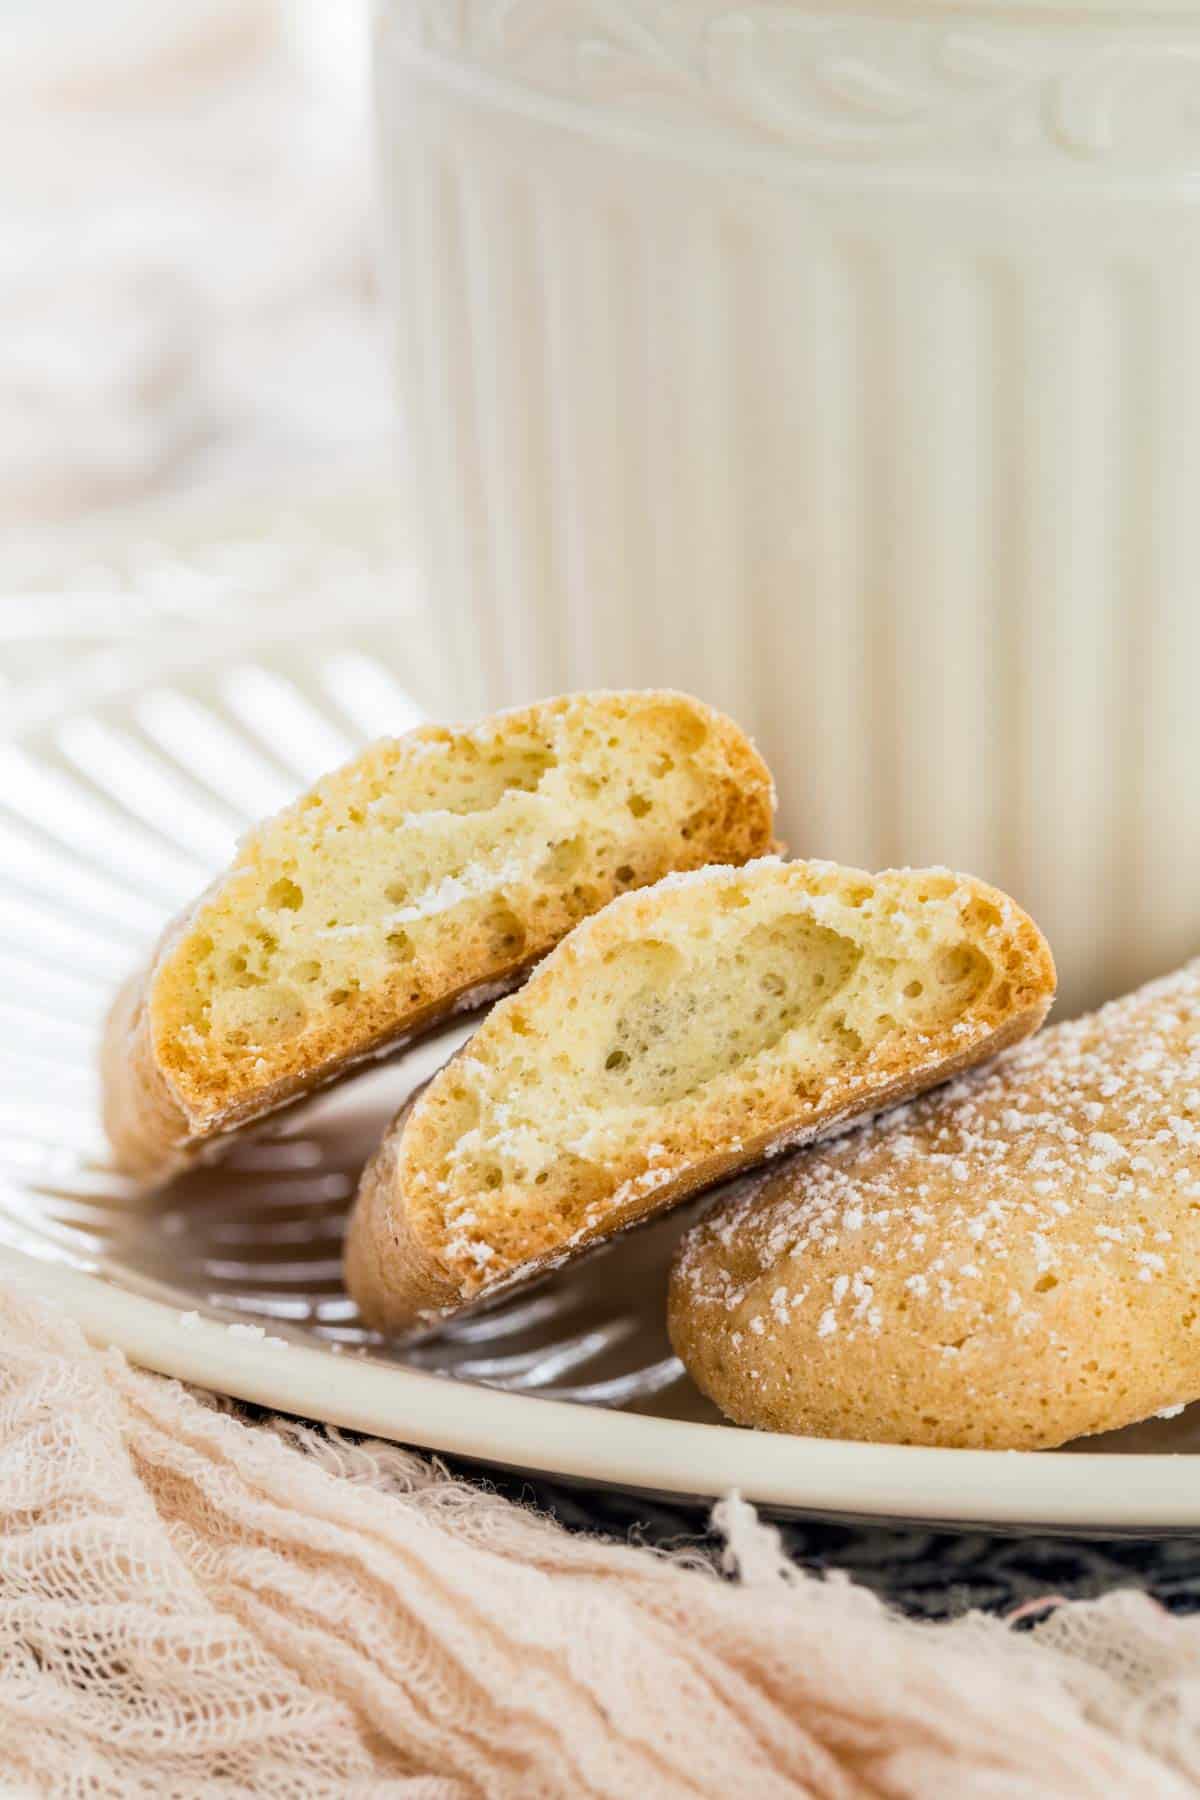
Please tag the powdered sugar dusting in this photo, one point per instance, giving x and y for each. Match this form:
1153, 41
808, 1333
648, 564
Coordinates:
485, 993
1074, 1157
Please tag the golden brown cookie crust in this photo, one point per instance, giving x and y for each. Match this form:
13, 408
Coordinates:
1008, 1263
427, 875
683, 1033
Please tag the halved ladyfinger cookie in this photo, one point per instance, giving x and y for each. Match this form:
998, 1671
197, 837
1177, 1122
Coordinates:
431, 867
683, 1033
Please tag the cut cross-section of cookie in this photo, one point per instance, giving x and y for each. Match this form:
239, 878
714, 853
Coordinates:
432, 867
1009, 1263
683, 1033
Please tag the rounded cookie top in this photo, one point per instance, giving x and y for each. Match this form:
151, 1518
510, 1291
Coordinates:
1011, 1261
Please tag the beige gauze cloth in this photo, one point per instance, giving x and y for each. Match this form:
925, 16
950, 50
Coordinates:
194, 1605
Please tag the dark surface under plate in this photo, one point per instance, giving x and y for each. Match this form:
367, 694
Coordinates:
926, 1574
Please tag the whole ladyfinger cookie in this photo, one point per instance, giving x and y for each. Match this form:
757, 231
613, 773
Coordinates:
683, 1033
1010, 1262
430, 868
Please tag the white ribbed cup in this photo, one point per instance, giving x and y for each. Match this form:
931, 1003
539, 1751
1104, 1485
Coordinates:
845, 369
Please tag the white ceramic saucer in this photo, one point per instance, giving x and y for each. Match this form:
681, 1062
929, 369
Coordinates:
190, 683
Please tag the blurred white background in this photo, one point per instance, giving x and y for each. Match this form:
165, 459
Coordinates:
186, 291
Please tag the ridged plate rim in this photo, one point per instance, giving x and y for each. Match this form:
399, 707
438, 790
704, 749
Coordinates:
1089, 1491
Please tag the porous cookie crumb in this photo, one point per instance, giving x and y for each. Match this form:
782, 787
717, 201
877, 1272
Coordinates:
1033, 1237
424, 878
257, 1334
683, 1033
191, 1321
